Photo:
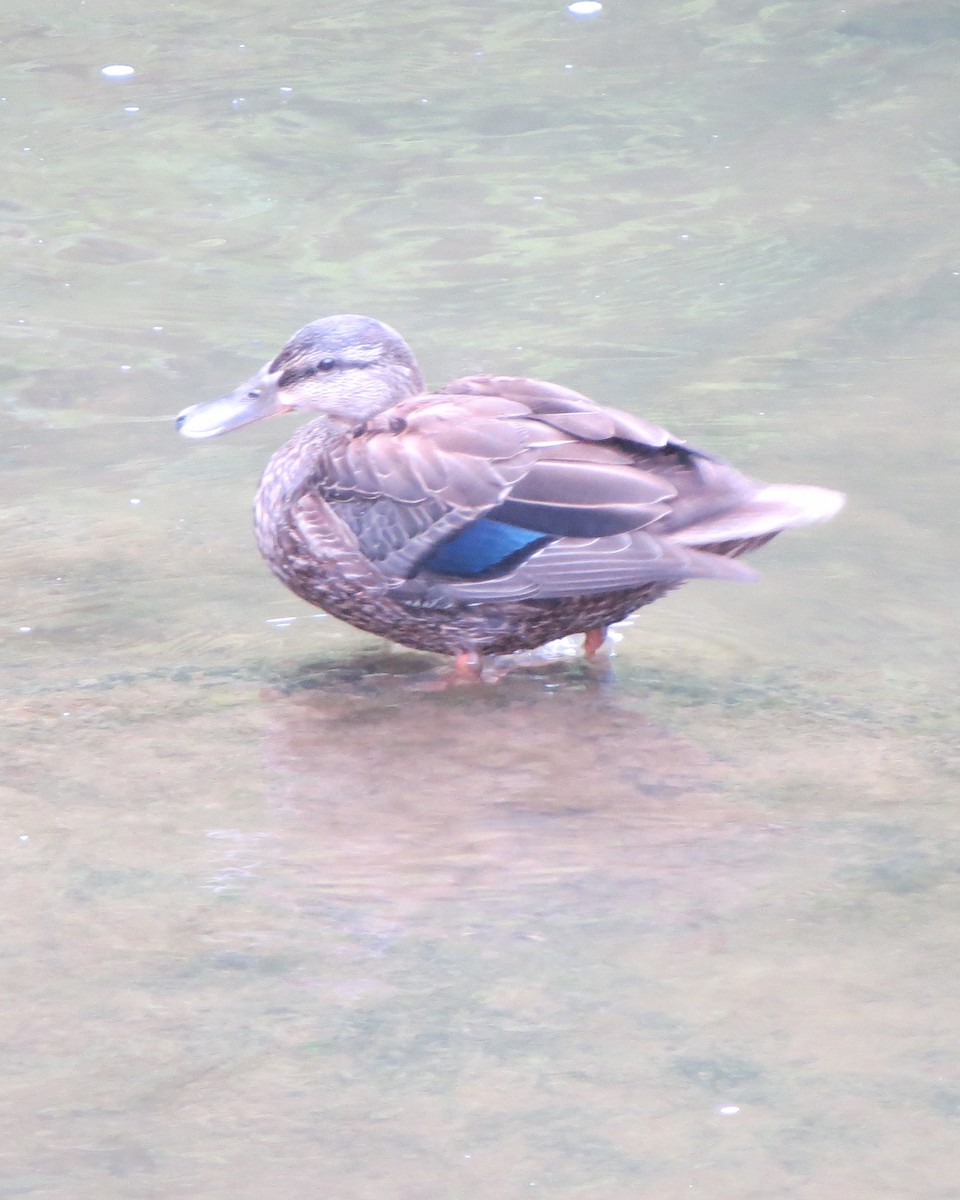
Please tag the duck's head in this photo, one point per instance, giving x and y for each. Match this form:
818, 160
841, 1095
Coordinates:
347, 367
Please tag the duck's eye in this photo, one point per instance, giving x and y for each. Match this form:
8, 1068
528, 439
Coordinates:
326, 364
253, 393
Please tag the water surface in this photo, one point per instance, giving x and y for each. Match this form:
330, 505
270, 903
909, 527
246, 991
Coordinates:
276, 920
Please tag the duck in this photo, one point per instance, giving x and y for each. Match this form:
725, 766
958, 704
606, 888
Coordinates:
491, 516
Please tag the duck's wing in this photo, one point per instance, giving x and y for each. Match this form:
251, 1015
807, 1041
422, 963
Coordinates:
713, 502
513, 488
414, 477
537, 492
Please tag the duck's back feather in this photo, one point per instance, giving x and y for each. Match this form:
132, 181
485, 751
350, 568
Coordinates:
509, 489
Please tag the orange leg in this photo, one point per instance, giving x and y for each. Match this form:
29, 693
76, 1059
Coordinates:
467, 667
593, 639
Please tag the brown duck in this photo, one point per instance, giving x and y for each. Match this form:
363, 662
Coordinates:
494, 515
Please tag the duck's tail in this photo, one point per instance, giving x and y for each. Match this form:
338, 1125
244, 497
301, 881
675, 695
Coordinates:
772, 508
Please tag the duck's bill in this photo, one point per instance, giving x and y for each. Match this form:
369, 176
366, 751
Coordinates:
252, 401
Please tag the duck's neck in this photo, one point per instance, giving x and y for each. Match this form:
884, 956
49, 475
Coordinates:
376, 391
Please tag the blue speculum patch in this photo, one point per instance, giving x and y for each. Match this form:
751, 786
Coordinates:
482, 547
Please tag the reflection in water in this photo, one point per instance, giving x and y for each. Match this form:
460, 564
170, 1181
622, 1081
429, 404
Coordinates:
543, 785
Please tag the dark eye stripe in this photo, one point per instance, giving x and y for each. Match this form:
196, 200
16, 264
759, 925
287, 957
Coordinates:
293, 375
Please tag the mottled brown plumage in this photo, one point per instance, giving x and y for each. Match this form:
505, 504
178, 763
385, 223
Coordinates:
492, 516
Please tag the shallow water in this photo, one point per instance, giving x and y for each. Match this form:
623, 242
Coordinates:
276, 920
